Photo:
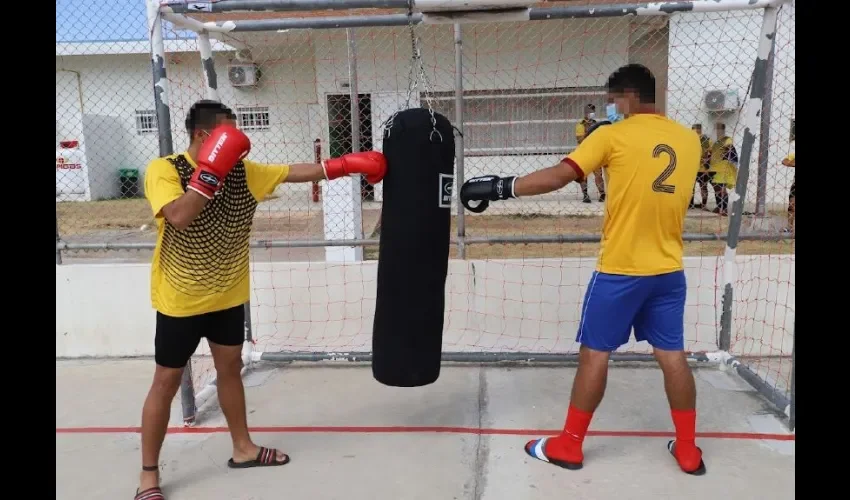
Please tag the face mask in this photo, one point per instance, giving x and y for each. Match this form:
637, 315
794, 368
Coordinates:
591, 116
612, 114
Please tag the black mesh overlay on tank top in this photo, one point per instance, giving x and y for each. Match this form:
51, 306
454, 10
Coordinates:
211, 255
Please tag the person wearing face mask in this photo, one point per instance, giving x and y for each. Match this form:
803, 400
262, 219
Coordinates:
582, 127
703, 178
791, 161
723, 168
639, 283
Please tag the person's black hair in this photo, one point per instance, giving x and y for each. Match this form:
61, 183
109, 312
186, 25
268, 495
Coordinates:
590, 107
696, 125
205, 114
721, 125
633, 78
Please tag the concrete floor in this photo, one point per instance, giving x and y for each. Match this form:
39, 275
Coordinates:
477, 420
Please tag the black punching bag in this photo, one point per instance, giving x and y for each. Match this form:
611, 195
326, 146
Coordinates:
414, 251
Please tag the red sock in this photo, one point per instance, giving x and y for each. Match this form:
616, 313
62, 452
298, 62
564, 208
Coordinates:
567, 446
685, 449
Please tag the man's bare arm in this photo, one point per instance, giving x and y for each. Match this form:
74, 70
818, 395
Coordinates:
182, 211
305, 172
546, 180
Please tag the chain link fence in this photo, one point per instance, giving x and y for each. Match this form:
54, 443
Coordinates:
304, 87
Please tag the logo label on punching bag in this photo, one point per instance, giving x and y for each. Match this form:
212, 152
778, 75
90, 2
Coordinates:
447, 182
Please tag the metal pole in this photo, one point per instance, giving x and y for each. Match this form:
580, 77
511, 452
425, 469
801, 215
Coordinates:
317, 157
58, 251
469, 357
357, 180
479, 16
352, 79
766, 387
792, 416
282, 5
459, 177
751, 125
764, 134
166, 147
249, 332
252, 25
208, 66
609, 10
187, 395
160, 79
248, 345
646, 9
475, 240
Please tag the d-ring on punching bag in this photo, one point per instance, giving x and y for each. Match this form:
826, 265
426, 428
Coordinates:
407, 337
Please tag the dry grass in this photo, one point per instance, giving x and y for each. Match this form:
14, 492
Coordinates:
131, 221
96, 221
91, 220
77, 218
509, 225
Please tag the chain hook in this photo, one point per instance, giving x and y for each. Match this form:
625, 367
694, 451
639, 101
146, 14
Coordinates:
416, 74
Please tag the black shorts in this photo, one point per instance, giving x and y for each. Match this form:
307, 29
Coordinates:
704, 177
793, 190
177, 338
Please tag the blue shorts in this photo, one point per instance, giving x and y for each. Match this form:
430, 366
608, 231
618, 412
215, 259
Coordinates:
653, 305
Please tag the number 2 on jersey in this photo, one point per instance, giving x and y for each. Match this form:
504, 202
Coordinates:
658, 184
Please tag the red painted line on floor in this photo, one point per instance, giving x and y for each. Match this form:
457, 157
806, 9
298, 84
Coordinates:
411, 430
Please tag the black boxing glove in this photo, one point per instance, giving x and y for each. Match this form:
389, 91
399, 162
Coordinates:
485, 189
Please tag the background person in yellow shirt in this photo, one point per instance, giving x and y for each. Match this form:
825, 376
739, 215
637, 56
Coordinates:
703, 177
791, 161
723, 168
639, 282
582, 127
204, 201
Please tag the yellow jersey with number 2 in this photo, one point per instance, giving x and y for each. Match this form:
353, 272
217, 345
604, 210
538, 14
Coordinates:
652, 165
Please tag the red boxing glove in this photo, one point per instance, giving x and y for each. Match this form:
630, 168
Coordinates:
225, 146
371, 163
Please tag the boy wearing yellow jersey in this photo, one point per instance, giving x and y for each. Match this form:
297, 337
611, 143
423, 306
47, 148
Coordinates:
703, 177
204, 201
723, 168
587, 123
639, 283
791, 161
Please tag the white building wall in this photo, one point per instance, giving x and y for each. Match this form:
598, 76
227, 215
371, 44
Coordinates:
112, 85
117, 85
563, 53
718, 51
301, 68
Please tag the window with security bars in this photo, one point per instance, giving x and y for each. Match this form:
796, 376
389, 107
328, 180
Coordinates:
145, 121
527, 122
253, 117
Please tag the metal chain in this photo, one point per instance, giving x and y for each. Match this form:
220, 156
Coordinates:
412, 75
416, 74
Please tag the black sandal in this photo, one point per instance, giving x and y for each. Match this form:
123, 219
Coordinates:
535, 449
267, 457
699, 471
154, 493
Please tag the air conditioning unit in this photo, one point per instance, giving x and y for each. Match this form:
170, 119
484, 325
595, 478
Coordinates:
722, 100
243, 74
